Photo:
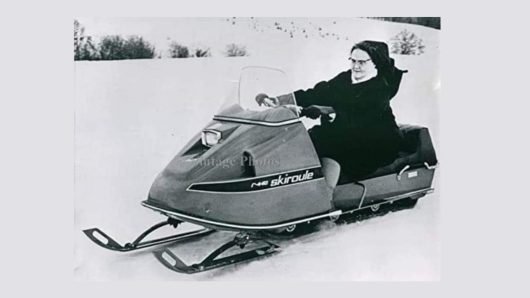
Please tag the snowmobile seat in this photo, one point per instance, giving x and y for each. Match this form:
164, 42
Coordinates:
416, 149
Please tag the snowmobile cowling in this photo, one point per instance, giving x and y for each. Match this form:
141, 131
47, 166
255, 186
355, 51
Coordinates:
258, 175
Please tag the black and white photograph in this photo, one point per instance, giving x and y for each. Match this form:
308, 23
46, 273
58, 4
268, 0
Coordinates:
257, 148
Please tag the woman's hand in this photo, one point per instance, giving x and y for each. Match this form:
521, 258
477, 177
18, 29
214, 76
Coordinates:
264, 99
314, 111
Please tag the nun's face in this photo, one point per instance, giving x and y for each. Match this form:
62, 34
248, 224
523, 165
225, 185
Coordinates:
362, 66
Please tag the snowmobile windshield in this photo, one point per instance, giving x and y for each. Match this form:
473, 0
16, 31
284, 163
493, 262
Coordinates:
252, 95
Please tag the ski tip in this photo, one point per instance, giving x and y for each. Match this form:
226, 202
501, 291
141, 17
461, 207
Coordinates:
100, 238
172, 262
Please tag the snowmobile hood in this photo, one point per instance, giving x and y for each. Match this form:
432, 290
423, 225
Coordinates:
241, 169
243, 134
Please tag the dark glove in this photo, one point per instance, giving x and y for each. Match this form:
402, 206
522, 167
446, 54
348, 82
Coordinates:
260, 98
315, 111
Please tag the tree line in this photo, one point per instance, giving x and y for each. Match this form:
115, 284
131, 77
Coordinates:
433, 22
115, 47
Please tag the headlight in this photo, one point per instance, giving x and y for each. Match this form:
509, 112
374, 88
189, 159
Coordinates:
210, 137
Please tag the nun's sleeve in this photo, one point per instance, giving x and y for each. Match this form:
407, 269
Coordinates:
313, 96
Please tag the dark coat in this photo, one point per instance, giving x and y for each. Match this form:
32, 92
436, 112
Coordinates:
364, 134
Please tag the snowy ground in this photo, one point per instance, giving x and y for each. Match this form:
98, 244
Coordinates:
133, 116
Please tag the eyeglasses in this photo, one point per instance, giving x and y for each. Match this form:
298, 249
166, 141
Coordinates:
360, 62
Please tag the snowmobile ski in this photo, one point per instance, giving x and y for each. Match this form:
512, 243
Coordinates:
172, 262
105, 241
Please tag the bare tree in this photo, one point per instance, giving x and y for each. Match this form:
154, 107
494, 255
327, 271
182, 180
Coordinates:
84, 48
234, 50
200, 53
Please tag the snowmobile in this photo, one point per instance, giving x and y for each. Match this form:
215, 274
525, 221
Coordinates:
254, 170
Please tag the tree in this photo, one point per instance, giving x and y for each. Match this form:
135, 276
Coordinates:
234, 50
199, 53
407, 43
137, 48
115, 47
84, 48
78, 31
177, 50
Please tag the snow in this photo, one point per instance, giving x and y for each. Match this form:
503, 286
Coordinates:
132, 117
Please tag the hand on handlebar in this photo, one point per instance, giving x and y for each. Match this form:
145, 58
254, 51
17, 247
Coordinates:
264, 99
314, 111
